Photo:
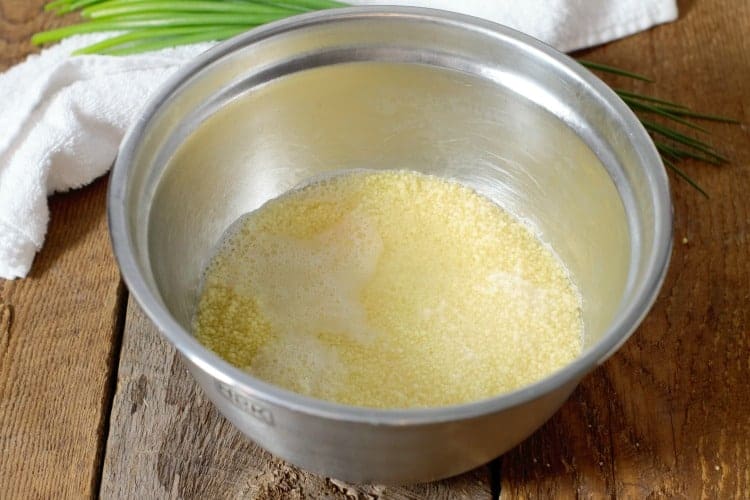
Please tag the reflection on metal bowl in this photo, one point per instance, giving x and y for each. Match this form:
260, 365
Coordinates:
390, 88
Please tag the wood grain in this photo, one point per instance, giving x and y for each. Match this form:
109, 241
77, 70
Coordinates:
669, 414
57, 329
19, 20
167, 440
666, 417
57, 340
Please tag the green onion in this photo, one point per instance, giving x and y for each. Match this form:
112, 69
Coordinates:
146, 44
681, 173
613, 70
138, 38
639, 106
108, 9
684, 140
640, 97
676, 152
681, 146
70, 6
199, 22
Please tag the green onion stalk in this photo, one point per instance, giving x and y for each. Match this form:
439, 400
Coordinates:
147, 25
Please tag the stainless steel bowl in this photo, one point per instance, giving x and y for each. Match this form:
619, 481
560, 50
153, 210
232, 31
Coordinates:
386, 88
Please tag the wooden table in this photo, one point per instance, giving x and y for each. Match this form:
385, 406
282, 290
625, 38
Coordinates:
92, 401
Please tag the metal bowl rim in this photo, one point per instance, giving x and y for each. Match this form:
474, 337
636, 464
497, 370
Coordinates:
213, 365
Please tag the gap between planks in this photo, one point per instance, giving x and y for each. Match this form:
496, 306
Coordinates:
166, 439
108, 397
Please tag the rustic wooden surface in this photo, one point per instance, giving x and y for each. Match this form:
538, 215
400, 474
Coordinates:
19, 20
166, 439
58, 330
668, 415
57, 346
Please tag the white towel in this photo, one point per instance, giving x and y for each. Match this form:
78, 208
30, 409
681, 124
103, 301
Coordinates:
62, 118
565, 24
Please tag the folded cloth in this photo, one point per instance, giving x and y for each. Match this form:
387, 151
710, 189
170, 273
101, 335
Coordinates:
63, 117
565, 24
62, 120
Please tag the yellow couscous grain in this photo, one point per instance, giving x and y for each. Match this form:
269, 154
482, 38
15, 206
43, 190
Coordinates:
390, 290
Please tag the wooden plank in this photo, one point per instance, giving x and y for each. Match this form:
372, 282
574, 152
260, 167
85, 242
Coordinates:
57, 328
57, 345
166, 439
19, 20
662, 418
669, 414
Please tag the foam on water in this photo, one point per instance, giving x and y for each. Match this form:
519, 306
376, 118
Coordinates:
388, 289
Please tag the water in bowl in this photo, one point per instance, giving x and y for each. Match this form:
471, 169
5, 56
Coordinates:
388, 289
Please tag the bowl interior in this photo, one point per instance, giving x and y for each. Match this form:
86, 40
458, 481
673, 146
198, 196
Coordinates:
531, 131
390, 116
